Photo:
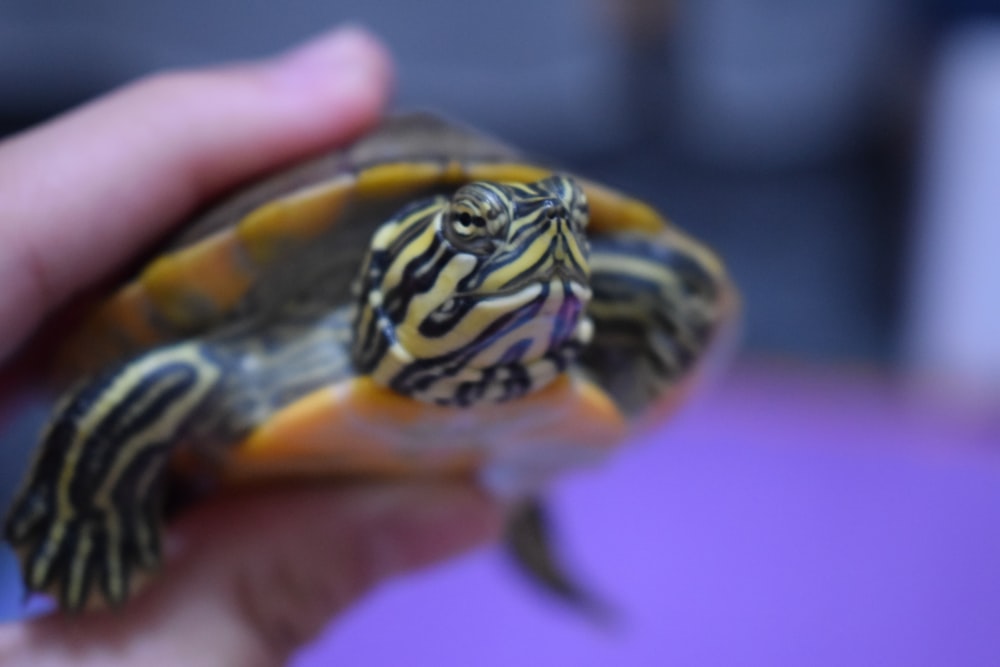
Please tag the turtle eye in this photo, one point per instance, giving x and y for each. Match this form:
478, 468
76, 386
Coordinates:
468, 225
476, 221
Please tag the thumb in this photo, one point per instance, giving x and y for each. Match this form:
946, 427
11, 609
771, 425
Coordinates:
255, 576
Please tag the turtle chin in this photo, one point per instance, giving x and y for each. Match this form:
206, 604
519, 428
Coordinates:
562, 306
492, 347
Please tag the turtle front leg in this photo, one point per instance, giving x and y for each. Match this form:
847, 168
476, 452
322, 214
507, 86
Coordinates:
658, 304
88, 517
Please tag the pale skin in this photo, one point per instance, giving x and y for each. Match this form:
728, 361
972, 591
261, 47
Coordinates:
251, 577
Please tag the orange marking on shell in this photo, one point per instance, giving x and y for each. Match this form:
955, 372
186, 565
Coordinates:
118, 328
399, 178
358, 427
193, 288
129, 311
512, 172
292, 220
455, 173
611, 211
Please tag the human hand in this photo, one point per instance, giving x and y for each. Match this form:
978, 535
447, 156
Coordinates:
248, 577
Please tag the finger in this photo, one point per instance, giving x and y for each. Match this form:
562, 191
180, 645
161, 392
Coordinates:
83, 193
257, 576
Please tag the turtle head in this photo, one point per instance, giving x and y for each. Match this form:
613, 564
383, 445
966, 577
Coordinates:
480, 296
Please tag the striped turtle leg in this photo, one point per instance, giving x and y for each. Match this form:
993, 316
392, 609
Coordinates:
529, 541
88, 516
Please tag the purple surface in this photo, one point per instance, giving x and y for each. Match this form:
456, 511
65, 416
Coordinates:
783, 520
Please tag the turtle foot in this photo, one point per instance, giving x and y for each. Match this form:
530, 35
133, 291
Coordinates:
86, 558
530, 543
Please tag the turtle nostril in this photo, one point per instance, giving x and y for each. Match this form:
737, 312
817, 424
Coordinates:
554, 210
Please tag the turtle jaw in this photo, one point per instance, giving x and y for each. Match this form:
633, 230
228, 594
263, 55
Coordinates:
508, 345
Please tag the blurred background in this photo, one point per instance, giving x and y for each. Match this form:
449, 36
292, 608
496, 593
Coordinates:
835, 499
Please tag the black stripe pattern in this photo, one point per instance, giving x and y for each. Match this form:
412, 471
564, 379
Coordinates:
655, 310
89, 514
477, 297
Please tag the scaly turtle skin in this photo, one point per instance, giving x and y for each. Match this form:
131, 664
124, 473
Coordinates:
424, 301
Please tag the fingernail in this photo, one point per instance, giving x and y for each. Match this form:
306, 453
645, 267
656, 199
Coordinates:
346, 56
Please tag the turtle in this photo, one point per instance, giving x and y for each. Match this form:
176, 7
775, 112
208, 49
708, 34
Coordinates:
426, 301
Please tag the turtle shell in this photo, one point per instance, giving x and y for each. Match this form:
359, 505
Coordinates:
244, 257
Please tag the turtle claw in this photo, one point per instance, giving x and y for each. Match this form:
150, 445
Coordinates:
86, 557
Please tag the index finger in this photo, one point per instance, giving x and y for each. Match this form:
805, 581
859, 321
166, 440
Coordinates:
86, 191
